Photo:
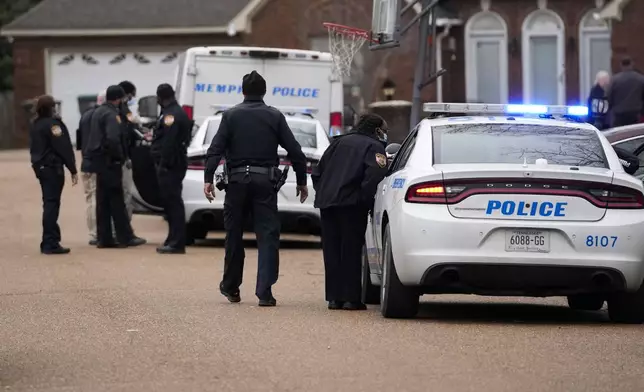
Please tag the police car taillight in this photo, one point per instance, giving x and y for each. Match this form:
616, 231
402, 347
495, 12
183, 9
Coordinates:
432, 193
619, 198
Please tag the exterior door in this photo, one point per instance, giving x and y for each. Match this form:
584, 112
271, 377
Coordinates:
544, 78
599, 52
488, 70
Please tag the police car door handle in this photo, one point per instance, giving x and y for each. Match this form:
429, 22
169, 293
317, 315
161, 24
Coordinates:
384, 188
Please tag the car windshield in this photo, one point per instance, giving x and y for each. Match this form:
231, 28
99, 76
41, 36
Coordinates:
516, 143
305, 131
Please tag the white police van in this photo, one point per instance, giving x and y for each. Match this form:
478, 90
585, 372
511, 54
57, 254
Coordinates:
523, 200
208, 76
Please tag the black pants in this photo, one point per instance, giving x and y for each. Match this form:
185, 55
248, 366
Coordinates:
621, 119
52, 181
254, 194
171, 188
343, 231
110, 205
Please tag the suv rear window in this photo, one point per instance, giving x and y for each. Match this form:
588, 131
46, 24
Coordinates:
514, 143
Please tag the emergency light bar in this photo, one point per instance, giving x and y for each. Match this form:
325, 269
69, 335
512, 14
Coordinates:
283, 109
483, 108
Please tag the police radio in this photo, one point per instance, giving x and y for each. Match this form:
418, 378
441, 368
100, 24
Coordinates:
221, 179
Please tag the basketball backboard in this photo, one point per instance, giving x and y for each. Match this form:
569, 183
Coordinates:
385, 28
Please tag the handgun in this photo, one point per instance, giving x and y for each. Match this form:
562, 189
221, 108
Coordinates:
282, 180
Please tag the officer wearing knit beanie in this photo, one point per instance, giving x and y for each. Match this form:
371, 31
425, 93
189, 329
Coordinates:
249, 136
169, 150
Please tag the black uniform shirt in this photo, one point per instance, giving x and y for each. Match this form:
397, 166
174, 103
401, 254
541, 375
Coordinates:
598, 106
249, 135
172, 136
626, 92
349, 171
104, 143
84, 128
50, 144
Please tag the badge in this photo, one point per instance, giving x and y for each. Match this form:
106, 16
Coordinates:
56, 131
130, 117
118, 119
381, 160
168, 120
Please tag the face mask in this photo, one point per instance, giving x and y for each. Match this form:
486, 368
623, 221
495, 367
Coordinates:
382, 137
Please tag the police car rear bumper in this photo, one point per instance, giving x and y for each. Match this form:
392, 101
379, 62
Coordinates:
424, 237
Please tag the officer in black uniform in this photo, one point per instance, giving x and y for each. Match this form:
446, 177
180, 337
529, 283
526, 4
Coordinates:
345, 183
105, 156
51, 149
169, 149
248, 137
132, 130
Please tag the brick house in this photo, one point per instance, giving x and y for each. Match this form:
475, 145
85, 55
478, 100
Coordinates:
494, 50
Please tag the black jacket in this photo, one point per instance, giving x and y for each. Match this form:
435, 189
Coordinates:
626, 92
50, 144
249, 134
349, 171
104, 144
84, 128
171, 137
598, 107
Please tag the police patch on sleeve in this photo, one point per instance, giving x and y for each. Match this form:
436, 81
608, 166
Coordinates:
381, 160
56, 131
118, 119
168, 120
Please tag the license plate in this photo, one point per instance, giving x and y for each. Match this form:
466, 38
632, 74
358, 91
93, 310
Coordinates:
527, 241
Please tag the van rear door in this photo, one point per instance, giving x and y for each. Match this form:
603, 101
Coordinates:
301, 83
218, 82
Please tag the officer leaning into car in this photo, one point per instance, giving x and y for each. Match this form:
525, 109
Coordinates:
169, 151
51, 150
105, 157
248, 138
132, 131
345, 183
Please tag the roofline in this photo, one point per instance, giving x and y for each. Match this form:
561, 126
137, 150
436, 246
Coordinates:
241, 22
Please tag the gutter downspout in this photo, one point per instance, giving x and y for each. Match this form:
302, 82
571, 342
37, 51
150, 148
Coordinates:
439, 61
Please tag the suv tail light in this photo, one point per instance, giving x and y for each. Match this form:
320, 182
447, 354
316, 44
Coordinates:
189, 111
452, 192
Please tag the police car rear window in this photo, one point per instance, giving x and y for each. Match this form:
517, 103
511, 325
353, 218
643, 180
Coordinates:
305, 132
514, 143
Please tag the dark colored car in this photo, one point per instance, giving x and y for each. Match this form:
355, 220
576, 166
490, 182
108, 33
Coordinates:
631, 139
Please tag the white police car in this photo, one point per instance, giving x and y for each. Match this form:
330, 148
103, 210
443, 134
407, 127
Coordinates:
509, 201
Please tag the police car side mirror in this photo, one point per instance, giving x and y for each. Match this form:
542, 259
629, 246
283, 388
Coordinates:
392, 149
148, 106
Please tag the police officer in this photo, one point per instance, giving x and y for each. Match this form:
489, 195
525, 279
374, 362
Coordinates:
51, 149
105, 157
89, 178
345, 182
132, 131
248, 137
169, 149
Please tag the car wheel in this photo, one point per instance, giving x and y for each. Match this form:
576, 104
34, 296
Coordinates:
627, 308
396, 300
370, 292
585, 302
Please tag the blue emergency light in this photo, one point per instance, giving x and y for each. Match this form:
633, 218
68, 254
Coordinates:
500, 109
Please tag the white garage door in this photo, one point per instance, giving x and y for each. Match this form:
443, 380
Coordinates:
75, 74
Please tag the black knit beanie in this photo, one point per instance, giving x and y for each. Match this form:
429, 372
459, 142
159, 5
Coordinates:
254, 84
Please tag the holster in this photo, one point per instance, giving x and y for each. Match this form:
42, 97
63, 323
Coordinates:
221, 179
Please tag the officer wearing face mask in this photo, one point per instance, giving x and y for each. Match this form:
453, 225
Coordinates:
345, 183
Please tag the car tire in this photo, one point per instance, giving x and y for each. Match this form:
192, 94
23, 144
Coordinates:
370, 292
195, 231
627, 308
585, 302
396, 300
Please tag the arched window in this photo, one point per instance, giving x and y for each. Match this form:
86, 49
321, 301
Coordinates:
594, 51
486, 58
543, 56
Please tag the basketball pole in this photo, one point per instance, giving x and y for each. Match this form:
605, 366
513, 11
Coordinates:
419, 75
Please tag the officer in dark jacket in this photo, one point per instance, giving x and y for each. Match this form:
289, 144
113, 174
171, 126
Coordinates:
626, 95
248, 137
51, 149
105, 156
169, 149
345, 183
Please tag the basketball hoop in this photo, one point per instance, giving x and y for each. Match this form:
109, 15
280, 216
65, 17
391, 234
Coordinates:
344, 43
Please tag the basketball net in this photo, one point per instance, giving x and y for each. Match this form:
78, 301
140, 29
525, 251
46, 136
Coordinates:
344, 43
